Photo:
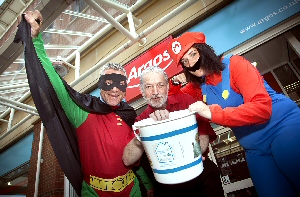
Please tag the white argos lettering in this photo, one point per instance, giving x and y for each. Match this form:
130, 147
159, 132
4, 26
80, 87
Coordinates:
156, 61
166, 55
132, 74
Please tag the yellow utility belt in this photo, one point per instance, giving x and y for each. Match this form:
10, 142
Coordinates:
114, 185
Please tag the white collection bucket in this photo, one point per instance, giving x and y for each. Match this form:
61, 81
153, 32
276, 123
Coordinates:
172, 147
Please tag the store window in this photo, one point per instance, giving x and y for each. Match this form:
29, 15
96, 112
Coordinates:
14, 182
230, 158
289, 81
14, 162
247, 192
292, 55
78, 7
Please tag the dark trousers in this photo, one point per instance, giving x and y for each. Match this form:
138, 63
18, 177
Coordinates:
207, 184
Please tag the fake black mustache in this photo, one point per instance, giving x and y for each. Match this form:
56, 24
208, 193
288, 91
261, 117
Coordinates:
196, 66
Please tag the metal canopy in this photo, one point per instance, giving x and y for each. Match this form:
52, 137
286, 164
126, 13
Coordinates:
69, 28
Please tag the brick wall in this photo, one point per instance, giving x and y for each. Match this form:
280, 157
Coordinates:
51, 176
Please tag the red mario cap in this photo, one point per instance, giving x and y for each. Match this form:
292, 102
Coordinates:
179, 46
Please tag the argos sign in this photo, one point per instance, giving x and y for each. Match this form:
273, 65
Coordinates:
156, 56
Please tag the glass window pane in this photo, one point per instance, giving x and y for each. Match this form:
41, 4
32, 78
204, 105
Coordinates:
289, 81
230, 158
272, 82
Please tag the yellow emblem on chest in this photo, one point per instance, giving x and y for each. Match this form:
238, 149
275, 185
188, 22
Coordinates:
225, 94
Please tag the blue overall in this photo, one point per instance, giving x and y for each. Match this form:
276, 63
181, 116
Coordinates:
273, 148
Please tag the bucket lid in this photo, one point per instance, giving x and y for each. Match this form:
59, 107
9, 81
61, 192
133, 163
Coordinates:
172, 116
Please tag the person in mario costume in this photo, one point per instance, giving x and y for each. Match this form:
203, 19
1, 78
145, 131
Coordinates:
232, 93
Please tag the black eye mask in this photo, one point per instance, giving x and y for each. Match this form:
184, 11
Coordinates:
116, 80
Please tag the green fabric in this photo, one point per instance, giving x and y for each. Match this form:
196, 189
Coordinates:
75, 114
136, 191
87, 190
144, 178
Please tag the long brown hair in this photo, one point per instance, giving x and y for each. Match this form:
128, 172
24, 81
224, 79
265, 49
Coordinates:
209, 61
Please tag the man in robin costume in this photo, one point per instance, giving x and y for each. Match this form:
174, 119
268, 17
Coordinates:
88, 134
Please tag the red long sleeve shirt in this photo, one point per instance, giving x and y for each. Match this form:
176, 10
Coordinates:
246, 80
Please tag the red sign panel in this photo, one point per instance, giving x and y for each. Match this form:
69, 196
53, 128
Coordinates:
156, 56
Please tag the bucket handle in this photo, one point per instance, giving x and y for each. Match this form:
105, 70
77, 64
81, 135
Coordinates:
134, 128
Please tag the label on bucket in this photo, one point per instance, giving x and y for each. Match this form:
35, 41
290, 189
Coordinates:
164, 152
